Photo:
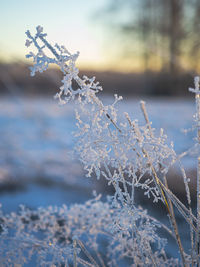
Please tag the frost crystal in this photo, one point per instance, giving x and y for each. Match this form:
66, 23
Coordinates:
128, 155
47, 235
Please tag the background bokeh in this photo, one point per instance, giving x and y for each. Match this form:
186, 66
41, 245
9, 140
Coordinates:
133, 46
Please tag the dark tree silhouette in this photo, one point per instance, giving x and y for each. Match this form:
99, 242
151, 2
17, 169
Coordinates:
167, 32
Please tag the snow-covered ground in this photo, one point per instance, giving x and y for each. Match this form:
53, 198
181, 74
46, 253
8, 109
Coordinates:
36, 139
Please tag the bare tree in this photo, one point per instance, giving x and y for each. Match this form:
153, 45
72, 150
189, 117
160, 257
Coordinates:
176, 33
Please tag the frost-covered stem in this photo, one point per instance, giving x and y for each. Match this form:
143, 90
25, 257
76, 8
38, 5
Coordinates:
170, 210
123, 180
145, 154
100, 258
181, 207
198, 177
187, 189
115, 185
143, 108
174, 225
167, 200
49, 46
86, 252
100, 104
124, 184
198, 205
74, 252
197, 118
148, 250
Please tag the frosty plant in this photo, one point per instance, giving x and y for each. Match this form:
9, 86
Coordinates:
128, 156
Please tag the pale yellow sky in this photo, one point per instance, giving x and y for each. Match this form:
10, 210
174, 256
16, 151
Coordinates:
70, 23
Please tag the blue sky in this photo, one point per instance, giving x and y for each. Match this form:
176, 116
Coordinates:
67, 22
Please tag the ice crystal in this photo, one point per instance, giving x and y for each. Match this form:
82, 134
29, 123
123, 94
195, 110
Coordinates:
46, 235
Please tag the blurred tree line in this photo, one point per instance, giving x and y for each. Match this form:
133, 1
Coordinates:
160, 37
163, 36
166, 32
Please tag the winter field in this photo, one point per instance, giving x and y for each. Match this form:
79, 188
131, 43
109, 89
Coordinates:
37, 164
